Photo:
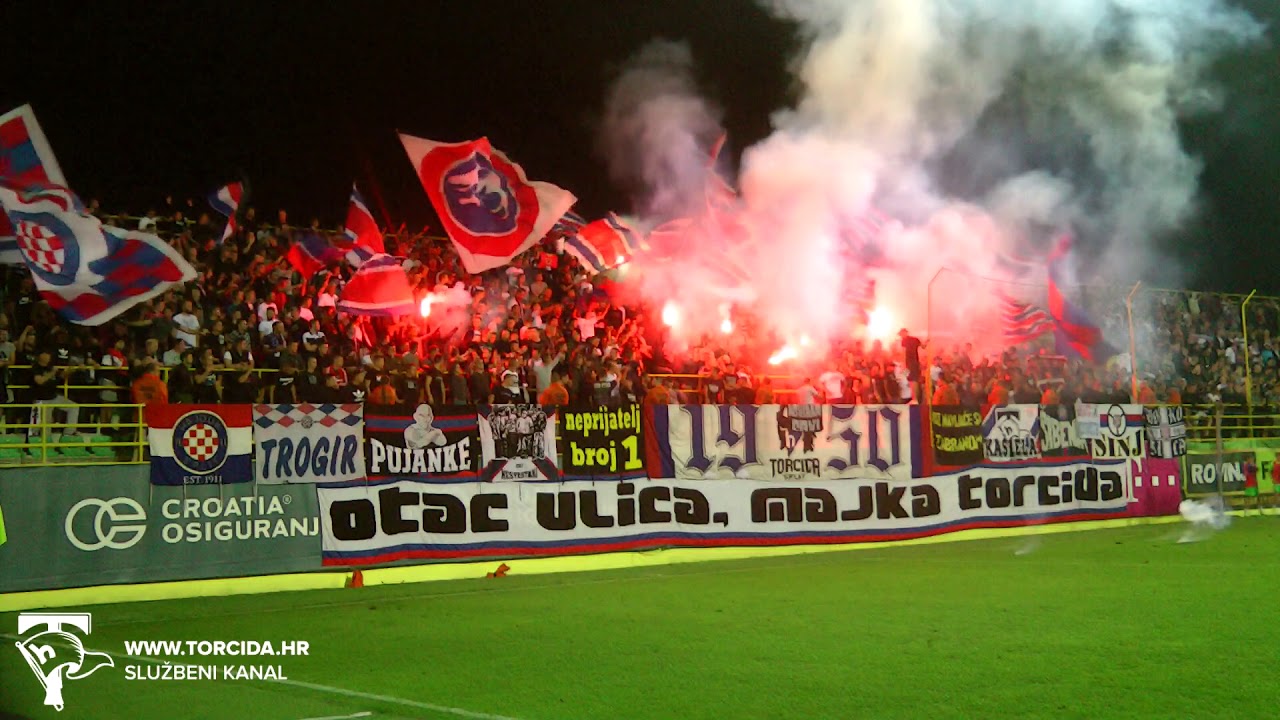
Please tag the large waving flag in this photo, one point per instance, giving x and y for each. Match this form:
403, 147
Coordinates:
311, 254
1023, 322
603, 244
361, 228
88, 273
571, 223
488, 208
379, 287
26, 161
1075, 334
226, 200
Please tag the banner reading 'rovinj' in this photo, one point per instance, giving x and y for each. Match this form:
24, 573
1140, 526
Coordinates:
391, 521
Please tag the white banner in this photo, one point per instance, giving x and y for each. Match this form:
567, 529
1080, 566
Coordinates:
1166, 431
1011, 433
403, 520
308, 443
793, 442
1121, 432
518, 443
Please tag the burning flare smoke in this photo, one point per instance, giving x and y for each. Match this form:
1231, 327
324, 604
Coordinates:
980, 125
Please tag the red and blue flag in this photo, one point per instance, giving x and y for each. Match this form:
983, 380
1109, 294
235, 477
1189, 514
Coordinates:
311, 254
488, 208
1075, 333
379, 287
361, 228
226, 200
88, 272
26, 161
1023, 322
603, 244
571, 223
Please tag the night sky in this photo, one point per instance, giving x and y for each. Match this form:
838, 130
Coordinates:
143, 100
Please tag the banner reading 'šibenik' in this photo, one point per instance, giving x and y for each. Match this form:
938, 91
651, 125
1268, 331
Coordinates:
601, 444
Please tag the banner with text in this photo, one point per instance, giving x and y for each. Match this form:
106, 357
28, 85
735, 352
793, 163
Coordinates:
394, 521
1011, 433
1059, 436
1166, 431
308, 443
602, 444
956, 434
111, 525
518, 443
436, 443
1121, 431
792, 442
1205, 477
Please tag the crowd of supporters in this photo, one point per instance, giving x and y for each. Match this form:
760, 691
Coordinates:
540, 330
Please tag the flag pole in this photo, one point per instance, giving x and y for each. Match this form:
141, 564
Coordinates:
1248, 373
927, 383
1133, 345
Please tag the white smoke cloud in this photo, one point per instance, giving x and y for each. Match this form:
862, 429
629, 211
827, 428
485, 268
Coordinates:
654, 128
980, 124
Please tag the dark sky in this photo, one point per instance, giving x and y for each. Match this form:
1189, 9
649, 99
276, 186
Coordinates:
142, 100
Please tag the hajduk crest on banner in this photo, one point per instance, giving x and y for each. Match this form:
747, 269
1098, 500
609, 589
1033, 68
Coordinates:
489, 209
200, 444
87, 272
26, 161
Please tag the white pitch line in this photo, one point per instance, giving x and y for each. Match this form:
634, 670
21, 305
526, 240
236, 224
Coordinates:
352, 716
388, 699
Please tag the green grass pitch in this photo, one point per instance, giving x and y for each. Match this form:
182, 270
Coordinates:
1111, 624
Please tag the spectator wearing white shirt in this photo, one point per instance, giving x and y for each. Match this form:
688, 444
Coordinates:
807, 394
312, 338
173, 355
587, 325
187, 325
264, 307
269, 322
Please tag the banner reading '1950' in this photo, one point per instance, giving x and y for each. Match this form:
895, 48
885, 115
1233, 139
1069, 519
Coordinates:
794, 442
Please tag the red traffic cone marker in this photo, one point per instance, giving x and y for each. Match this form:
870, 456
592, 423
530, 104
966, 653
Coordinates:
357, 579
501, 571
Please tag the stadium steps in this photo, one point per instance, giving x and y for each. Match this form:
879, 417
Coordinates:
76, 448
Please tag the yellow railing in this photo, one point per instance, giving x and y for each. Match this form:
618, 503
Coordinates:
89, 434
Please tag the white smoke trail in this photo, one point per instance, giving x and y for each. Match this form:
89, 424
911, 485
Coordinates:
981, 124
1204, 517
